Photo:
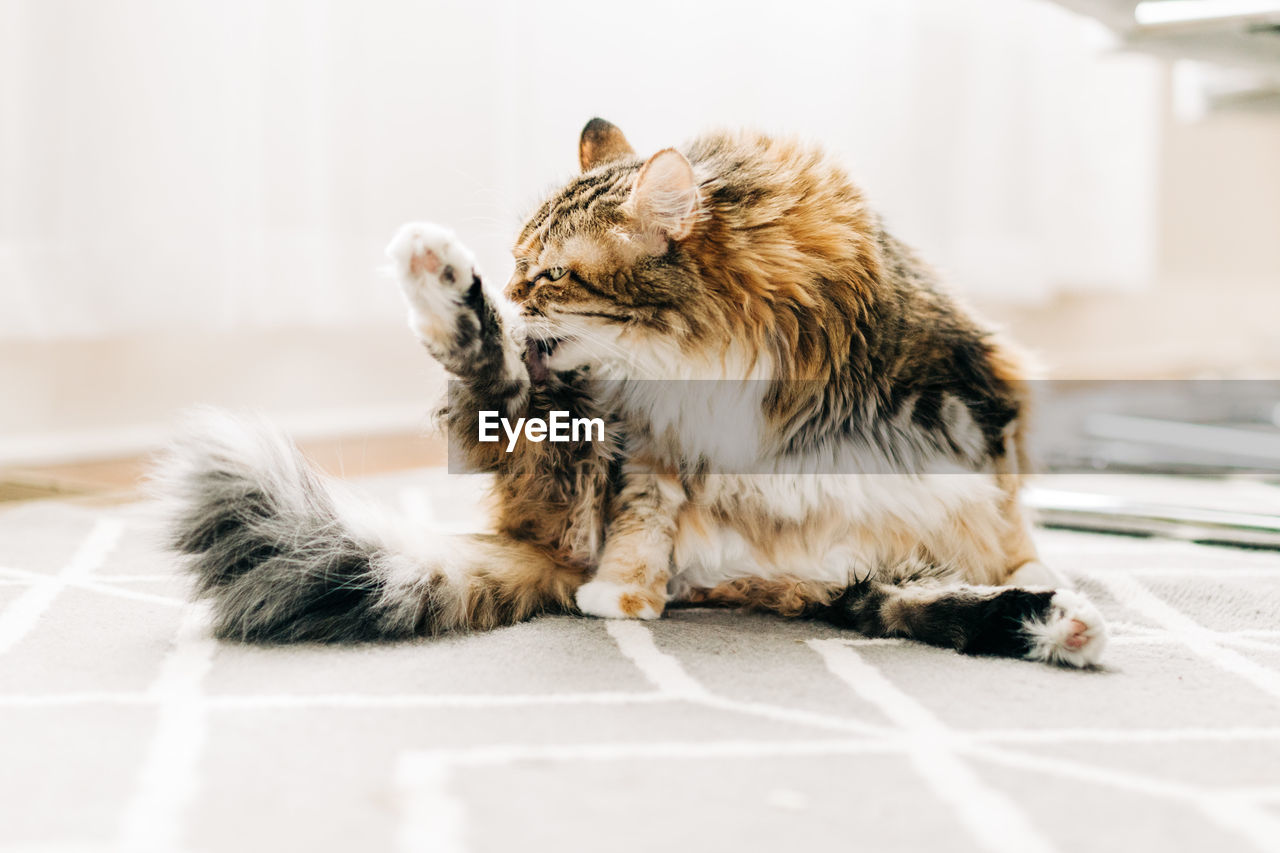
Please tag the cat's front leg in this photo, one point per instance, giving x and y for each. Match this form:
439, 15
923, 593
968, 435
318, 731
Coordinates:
473, 333
631, 581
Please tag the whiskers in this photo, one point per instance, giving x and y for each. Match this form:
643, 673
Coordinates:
602, 345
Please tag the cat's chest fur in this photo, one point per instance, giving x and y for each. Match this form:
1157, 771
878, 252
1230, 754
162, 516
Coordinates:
819, 527
752, 510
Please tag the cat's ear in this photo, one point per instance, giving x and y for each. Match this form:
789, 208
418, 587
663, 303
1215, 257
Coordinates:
664, 200
600, 143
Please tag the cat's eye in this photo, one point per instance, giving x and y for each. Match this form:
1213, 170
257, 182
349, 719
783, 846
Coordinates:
556, 273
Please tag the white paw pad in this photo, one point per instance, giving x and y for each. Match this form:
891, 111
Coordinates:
1071, 633
434, 270
609, 600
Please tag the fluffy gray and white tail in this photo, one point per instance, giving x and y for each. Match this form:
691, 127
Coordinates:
286, 554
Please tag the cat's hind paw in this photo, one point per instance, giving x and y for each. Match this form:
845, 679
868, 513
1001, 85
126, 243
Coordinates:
435, 271
610, 600
1071, 632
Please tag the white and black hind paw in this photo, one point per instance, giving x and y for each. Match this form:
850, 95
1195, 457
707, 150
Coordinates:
1070, 632
435, 272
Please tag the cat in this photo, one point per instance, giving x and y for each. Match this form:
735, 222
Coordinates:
744, 266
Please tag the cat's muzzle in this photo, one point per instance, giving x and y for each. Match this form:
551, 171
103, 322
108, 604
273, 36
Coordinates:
536, 353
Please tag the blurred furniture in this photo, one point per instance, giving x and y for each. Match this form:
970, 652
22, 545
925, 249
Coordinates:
1238, 42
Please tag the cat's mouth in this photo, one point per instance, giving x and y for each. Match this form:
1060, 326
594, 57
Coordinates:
536, 353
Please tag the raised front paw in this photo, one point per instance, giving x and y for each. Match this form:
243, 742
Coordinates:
1071, 632
435, 271
619, 601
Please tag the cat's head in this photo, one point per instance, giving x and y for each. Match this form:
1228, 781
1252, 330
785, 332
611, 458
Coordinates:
603, 273
602, 277
741, 260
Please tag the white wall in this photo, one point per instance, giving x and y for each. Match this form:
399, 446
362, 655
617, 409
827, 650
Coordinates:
240, 164
194, 196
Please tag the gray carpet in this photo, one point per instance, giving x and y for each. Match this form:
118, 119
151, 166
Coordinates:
123, 727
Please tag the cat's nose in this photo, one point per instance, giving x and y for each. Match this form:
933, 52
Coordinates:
518, 290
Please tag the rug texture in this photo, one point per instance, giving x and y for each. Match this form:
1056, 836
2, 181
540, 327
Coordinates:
123, 726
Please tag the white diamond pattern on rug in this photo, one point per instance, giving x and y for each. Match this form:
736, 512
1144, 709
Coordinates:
123, 726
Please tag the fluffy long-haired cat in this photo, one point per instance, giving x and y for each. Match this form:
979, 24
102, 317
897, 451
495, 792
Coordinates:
867, 471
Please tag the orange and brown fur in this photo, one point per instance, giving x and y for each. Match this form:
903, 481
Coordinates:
800, 419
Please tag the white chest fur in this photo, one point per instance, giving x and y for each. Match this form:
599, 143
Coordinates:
824, 528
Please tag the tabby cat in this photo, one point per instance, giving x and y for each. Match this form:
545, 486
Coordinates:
871, 478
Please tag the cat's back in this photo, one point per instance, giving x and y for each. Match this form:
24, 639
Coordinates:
755, 180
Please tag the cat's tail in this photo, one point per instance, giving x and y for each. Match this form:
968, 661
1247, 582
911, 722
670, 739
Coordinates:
286, 554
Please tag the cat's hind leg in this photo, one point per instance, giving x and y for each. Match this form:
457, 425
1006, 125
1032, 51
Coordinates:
472, 332
1053, 626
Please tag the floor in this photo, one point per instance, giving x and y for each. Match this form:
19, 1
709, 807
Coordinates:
123, 726
119, 479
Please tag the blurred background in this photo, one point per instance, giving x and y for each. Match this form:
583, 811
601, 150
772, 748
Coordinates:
194, 196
